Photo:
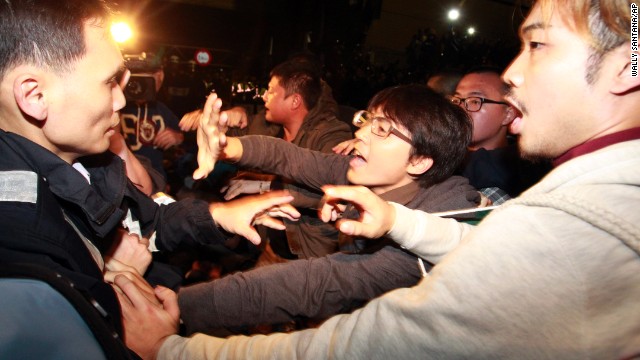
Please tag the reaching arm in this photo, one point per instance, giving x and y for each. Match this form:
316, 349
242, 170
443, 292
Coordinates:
135, 170
427, 236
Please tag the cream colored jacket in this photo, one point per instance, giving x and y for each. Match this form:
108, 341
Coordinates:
552, 274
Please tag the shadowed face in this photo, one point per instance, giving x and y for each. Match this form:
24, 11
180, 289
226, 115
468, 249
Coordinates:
276, 103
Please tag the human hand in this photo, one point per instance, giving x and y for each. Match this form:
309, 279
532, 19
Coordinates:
146, 323
376, 215
239, 216
484, 200
130, 249
237, 117
114, 268
237, 187
282, 211
167, 138
345, 147
211, 137
190, 121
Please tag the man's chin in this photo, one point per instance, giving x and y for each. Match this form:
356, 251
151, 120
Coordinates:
356, 178
352, 177
533, 153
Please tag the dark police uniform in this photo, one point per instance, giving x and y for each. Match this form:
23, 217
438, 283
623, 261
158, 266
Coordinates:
47, 207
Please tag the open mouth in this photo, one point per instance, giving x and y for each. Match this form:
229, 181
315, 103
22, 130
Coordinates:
357, 160
516, 125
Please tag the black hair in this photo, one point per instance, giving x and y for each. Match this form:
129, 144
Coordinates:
299, 77
46, 33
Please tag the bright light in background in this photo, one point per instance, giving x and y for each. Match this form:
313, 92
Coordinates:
471, 30
453, 14
121, 31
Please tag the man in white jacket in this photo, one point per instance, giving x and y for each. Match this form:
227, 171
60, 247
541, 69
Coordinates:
554, 273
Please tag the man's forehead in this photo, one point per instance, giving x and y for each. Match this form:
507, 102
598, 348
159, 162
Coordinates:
480, 83
378, 112
274, 81
102, 50
536, 21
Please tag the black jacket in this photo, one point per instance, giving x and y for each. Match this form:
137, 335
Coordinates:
37, 191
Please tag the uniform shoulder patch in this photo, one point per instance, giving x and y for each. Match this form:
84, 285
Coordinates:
19, 186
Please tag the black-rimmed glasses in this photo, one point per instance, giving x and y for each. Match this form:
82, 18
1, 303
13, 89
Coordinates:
473, 103
380, 126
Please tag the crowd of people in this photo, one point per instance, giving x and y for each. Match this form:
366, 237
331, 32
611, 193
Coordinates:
485, 214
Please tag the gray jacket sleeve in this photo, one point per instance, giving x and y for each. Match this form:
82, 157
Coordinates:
311, 168
315, 288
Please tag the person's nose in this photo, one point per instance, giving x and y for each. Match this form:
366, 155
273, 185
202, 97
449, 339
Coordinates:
513, 76
119, 100
363, 133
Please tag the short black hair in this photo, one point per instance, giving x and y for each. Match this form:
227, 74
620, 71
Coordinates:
489, 70
299, 77
47, 33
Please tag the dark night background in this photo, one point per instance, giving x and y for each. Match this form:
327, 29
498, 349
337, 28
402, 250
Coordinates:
363, 45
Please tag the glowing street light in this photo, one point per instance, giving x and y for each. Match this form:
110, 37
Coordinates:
471, 30
453, 14
121, 32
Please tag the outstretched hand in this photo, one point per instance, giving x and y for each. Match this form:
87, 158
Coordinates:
167, 138
146, 323
211, 136
239, 216
237, 119
237, 187
190, 121
376, 215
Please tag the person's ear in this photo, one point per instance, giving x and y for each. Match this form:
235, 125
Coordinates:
624, 67
296, 101
30, 97
509, 115
418, 165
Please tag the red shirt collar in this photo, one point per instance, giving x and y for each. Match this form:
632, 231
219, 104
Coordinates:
597, 144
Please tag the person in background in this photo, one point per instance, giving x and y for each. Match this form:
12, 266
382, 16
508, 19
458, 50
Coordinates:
149, 127
550, 274
444, 82
493, 164
294, 100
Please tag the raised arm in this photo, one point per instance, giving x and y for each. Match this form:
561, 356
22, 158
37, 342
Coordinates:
211, 136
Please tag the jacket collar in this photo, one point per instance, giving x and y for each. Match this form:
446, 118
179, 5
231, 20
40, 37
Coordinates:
597, 144
99, 200
403, 194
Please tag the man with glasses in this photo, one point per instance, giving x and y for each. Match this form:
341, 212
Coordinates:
493, 165
409, 143
480, 93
